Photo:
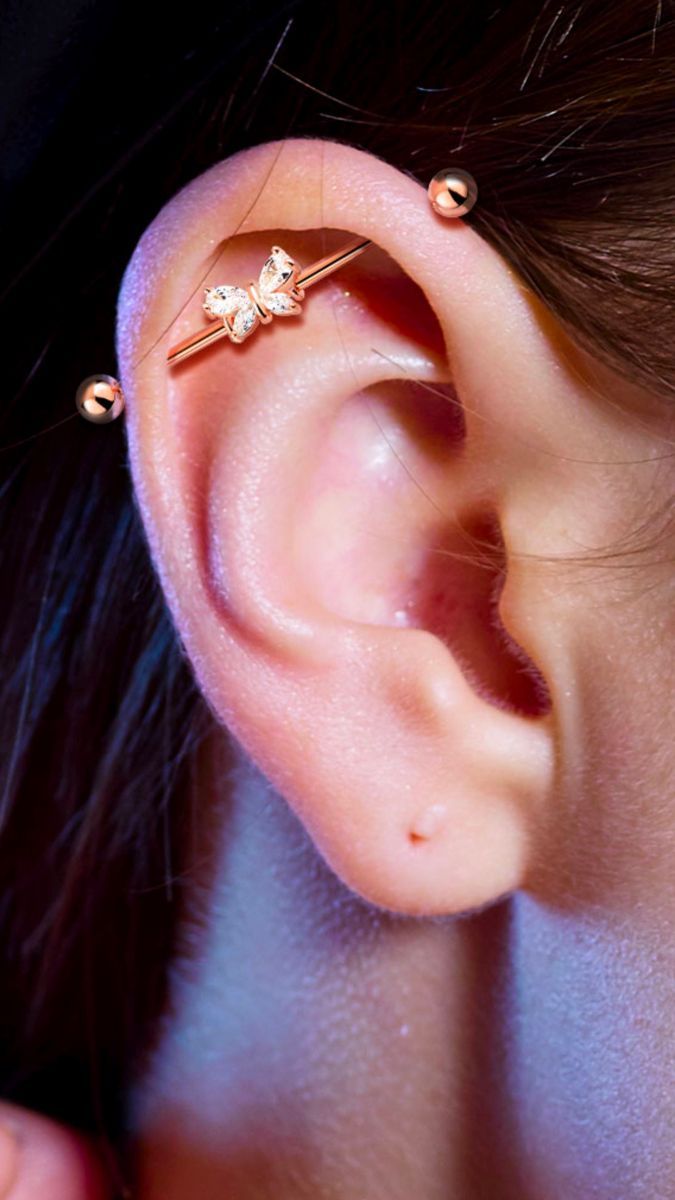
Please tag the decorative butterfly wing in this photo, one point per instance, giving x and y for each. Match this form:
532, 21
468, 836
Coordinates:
277, 286
234, 305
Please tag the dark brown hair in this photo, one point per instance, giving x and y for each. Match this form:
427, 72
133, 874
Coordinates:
564, 113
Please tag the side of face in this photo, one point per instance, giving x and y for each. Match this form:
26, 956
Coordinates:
409, 539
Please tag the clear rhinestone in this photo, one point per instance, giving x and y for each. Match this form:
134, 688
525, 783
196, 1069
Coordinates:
277, 270
224, 300
244, 319
281, 304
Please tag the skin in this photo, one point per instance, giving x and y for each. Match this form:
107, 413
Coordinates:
428, 944
40, 1158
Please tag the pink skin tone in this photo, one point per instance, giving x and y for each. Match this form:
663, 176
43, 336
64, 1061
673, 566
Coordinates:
40, 1158
429, 944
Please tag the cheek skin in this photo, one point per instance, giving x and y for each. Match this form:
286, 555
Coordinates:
594, 608
591, 976
612, 836
631, 759
589, 988
590, 1062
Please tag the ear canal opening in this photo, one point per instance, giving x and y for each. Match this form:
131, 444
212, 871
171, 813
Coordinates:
461, 578
385, 536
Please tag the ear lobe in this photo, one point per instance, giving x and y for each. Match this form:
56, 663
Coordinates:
311, 508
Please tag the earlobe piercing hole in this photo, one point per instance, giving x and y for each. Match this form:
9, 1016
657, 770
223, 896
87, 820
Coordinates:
429, 822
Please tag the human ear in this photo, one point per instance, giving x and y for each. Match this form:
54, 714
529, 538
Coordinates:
41, 1158
334, 508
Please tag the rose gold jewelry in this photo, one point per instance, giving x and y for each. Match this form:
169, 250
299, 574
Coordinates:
278, 291
452, 192
281, 286
100, 398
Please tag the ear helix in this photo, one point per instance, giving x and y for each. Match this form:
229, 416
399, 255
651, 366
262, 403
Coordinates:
279, 291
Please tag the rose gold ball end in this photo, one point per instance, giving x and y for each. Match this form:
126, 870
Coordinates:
452, 192
100, 399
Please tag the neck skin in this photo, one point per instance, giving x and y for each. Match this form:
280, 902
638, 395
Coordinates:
319, 1048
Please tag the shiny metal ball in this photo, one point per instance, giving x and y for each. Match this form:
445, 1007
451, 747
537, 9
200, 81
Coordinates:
100, 399
452, 192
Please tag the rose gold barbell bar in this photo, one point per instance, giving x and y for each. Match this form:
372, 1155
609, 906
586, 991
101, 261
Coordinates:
318, 270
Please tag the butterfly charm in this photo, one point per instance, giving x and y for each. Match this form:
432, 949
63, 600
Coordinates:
275, 294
